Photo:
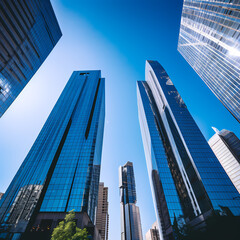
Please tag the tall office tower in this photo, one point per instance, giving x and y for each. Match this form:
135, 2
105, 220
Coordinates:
61, 171
102, 217
226, 146
131, 228
209, 40
29, 32
153, 233
185, 176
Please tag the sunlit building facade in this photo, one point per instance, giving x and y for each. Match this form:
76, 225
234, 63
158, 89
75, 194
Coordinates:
186, 179
131, 228
61, 171
153, 233
29, 32
209, 40
226, 146
102, 216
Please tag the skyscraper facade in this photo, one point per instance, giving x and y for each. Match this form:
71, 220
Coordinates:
102, 217
226, 146
61, 171
209, 40
185, 177
131, 228
29, 32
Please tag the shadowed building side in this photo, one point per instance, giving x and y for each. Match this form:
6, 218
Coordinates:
29, 32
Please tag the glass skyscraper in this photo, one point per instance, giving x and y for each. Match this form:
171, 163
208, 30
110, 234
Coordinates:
226, 146
29, 32
131, 228
186, 179
209, 40
61, 171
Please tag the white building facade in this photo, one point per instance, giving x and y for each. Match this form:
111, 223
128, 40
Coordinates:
226, 147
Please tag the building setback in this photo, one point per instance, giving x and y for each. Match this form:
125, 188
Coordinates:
186, 179
209, 40
102, 217
29, 32
226, 146
61, 171
131, 228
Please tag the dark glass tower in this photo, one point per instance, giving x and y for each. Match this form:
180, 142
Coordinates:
29, 32
187, 180
131, 228
61, 171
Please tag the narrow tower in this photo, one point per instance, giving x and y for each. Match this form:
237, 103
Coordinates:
131, 228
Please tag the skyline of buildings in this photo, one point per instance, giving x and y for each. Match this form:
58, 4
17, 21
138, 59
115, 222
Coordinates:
61, 171
102, 216
29, 33
209, 40
186, 179
226, 147
131, 228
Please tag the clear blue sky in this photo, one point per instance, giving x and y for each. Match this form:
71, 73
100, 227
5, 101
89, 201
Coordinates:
115, 36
